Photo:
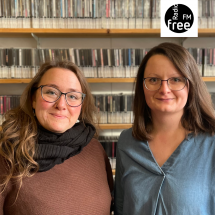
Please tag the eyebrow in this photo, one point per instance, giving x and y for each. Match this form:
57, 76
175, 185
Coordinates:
69, 90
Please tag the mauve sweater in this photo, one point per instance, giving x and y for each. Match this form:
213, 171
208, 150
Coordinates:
81, 185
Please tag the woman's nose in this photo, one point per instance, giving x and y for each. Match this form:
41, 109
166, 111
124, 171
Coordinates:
164, 86
61, 102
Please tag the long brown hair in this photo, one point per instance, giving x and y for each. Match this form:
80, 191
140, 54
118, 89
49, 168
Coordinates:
198, 112
19, 130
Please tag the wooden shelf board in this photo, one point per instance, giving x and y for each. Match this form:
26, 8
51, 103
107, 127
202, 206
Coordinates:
90, 80
208, 79
110, 126
114, 126
207, 32
14, 81
110, 80
134, 32
46, 32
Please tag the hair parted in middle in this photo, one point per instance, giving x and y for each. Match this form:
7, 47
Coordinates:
198, 113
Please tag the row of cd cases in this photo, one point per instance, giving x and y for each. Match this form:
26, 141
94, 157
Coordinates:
78, 13
7, 103
114, 108
91, 9
94, 14
95, 63
205, 59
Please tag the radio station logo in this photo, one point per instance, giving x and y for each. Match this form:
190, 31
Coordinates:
179, 18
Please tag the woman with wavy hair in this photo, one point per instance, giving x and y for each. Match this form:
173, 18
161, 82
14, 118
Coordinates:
50, 162
165, 162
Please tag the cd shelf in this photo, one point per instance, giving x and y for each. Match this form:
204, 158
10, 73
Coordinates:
110, 126
90, 80
114, 126
86, 33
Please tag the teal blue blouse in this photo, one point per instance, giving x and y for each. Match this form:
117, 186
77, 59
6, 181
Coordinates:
184, 185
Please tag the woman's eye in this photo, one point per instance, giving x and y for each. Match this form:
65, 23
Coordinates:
153, 80
177, 79
51, 92
72, 97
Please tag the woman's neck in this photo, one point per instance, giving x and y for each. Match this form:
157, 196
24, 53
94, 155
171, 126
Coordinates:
167, 124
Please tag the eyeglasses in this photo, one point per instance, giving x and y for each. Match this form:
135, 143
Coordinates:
52, 94
174, 83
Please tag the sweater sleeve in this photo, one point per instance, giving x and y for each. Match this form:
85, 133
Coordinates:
119, 192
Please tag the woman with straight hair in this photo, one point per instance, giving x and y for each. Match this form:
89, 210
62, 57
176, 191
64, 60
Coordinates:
50, 162
165, 162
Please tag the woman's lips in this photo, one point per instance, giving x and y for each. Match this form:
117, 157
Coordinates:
58, 116
167, 99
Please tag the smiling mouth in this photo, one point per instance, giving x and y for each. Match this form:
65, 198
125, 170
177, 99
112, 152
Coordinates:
165, 99
58, 116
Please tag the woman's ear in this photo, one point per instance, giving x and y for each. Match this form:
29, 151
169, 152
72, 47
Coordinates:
33, 101
188, 85
34, 111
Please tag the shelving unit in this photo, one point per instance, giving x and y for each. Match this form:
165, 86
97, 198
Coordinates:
110, 126
53, 33
92, 33
114, 126
43, 33
91, 80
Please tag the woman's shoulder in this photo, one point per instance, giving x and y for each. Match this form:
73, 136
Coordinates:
127, 133
203, 137
95, 143
126, 139
95, 147
201, 141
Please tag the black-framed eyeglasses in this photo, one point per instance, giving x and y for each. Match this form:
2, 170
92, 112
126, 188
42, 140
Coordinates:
52, 94
174, 83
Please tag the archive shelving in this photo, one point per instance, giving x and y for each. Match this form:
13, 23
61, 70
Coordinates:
53, 33
91, 33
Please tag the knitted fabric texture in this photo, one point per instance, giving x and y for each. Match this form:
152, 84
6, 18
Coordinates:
54, 148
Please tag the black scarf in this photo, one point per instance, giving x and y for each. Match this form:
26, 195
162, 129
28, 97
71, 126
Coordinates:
54, 148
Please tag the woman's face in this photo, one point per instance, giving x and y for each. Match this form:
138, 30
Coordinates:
57, 116
164, 100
